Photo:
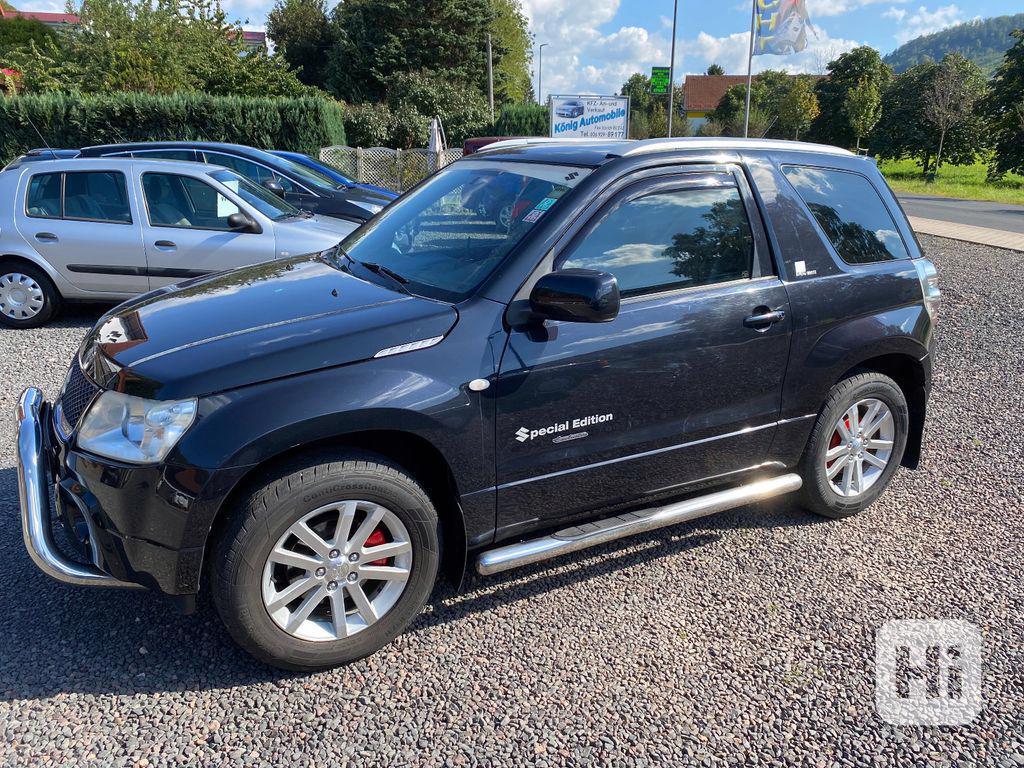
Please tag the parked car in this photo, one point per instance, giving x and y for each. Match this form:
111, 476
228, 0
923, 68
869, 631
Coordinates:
676, 328
300, 185
41, 153
332, 173
570, 109
110, 228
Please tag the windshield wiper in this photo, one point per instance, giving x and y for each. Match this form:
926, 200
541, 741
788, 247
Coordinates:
380, 269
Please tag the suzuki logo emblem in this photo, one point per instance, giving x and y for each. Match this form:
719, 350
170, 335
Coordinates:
522, 434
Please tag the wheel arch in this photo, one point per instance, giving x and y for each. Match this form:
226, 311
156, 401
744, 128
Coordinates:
910, 374
414, 453
38, 263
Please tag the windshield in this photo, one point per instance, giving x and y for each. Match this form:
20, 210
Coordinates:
263, 200
303, 173
345, 180
449, 234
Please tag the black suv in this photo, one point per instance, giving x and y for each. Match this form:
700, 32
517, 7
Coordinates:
300, 185
669, 329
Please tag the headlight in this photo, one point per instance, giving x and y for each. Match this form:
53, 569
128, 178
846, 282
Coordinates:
372, 208
132, 429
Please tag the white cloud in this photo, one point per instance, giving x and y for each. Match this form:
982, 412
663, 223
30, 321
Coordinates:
922, 21
819, 8
730, 52
579, 57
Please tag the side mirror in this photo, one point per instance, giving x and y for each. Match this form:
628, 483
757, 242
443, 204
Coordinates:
576, 295
242, 222
274, 186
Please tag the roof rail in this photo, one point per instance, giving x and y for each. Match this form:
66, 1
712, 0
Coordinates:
524, 142
715, 142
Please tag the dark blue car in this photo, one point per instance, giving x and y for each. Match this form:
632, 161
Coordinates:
299, 184
333, 173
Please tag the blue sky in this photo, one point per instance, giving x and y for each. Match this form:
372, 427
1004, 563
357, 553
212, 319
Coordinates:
594, 45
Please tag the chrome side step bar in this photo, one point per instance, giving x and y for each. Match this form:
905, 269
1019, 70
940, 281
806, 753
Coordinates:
631, 523
35, 503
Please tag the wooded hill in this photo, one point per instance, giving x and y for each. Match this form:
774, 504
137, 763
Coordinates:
983, 41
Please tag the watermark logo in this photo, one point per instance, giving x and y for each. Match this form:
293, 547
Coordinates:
928, 672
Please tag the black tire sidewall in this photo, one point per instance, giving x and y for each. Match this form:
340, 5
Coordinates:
238, 579
817, 491
51, 299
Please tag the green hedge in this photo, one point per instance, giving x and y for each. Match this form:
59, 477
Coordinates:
75, 120
522, 119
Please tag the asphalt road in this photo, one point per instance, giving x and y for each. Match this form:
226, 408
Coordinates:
975, 213
746, 638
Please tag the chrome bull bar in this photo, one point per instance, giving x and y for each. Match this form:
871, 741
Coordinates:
33, 495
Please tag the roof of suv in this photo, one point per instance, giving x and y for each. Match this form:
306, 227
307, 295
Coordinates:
133, 146
118, 163
592, 152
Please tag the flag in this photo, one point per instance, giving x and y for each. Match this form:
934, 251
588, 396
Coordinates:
781, 26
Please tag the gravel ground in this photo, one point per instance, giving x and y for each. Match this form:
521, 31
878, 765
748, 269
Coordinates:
747, 636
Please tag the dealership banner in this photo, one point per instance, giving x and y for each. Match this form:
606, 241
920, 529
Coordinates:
781, 26
591, 117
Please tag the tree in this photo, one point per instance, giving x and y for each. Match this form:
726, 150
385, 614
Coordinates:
18, 32
301, 35
715, 69
445, 39
162, 46
798, 107
862, 109
1005, 110
832, 126
956, 87
904, 130
513, 52
648, 114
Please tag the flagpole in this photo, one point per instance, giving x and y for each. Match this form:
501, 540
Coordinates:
750, 68
672, 69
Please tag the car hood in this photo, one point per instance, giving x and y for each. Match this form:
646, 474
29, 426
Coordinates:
270, 320
362, 194
306, 235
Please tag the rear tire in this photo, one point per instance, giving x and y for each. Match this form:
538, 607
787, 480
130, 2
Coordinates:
249, 580
844, 470
28, 298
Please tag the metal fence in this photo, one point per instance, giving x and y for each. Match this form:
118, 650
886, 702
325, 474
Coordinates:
396, 169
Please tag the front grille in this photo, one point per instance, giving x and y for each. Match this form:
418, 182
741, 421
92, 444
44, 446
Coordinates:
78, 393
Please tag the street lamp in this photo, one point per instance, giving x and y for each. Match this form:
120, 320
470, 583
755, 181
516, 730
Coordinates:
540, 74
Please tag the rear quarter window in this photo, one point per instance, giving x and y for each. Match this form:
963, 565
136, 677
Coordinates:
851, 213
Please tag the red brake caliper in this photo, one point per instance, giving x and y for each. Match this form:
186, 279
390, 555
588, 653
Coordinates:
375, 539
836, 439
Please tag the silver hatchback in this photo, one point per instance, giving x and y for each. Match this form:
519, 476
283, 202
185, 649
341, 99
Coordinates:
110, 228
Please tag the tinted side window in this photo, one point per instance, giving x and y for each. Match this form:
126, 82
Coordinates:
44, 196
166, 154
673, 239
184, 201
850, 212
97, 196
240, 165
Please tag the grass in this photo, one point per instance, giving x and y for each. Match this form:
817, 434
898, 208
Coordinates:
965, 181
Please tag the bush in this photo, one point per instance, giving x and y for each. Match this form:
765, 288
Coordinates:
377, 125
523, 119
74, 120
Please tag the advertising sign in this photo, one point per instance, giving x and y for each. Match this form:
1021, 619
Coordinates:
591, 117
660, 77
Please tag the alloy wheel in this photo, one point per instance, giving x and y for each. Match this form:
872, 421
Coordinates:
21, 297
337, 570
859, 448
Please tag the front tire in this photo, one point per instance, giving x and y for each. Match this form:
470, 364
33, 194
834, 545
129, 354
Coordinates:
856, 445
28, 298
326, 562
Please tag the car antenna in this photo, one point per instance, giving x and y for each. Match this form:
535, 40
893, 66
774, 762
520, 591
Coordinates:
40, 135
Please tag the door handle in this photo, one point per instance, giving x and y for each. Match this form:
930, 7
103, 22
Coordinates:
165, 245
46, 237
763, 318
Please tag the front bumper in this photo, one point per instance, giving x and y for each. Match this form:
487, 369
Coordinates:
34, 498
